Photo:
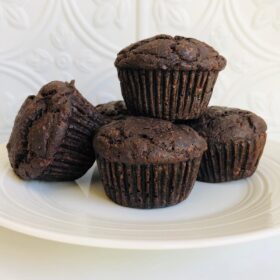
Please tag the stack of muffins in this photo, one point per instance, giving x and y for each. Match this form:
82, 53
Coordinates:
151, 147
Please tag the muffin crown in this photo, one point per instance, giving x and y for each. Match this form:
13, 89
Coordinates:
222, 124
113, 110
170, 53
139, 140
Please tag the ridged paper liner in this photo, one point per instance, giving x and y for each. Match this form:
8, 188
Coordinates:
231, 161
75, 154
170, 95
148, 186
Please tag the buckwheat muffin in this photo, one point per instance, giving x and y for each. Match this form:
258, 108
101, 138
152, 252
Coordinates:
168, 77
147, 163
52, 135
235, 139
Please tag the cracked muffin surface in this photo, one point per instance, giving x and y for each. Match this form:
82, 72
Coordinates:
145, 140
51, 137
173, 53
113, 110
222, 124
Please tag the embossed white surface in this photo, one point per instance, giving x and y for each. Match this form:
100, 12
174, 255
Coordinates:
66, 39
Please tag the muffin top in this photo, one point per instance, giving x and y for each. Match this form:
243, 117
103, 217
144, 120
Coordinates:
140, 140
42, 123
113, 110
168, 53
222, 124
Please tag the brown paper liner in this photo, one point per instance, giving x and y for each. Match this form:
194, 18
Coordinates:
231, 161
164, 94
148, 185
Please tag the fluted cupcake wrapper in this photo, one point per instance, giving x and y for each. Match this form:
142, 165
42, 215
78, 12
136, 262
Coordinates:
75, 154
148, 186
170, 95
231, 161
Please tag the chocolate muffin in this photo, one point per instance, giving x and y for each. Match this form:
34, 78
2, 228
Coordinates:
113, 110
168, 77
147, 163
235, 139
52, 135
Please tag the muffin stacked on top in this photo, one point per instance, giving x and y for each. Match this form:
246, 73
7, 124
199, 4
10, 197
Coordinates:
151, 147
168, 77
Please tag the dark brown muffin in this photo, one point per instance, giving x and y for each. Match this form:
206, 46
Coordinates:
112, 111
147, 163
168, 77
235, 139
52, 134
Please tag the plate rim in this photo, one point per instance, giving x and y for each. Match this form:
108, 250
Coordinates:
136, 244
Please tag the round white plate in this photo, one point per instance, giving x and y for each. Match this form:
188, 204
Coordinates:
80, 213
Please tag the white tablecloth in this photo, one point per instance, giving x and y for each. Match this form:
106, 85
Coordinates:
27, 258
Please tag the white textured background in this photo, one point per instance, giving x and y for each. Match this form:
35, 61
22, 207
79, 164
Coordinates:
64, 39
43, 40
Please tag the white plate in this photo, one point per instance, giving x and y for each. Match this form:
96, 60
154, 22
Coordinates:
80, 212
